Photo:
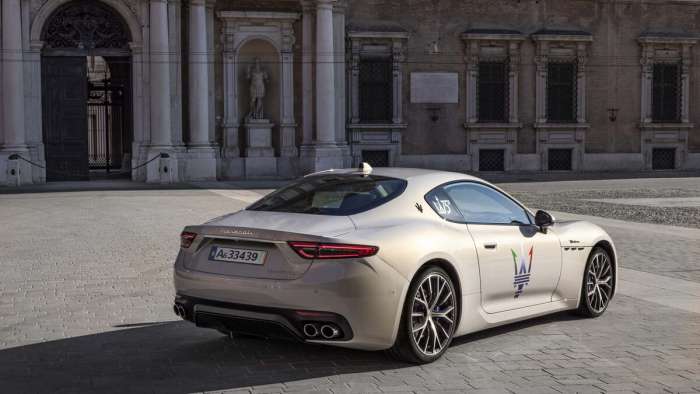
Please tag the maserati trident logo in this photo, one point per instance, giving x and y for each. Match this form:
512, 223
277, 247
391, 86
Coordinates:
521, 277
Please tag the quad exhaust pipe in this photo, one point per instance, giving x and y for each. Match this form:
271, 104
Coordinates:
329, 331
325, 331
310, 330
180, 310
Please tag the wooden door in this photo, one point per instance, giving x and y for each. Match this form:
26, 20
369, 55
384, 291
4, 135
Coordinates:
64, 100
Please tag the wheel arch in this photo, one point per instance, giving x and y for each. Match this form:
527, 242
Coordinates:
454, 277
608, 247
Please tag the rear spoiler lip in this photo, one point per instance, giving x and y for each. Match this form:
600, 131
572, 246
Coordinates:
255, 234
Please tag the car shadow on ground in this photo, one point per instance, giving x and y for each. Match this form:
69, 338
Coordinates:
175, 357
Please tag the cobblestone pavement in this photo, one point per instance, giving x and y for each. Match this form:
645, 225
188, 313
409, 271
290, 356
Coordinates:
85, 305
579, 197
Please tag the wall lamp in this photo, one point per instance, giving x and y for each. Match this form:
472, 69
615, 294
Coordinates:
612, 114
434, 113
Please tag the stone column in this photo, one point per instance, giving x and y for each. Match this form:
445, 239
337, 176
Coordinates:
163, 170
513, 74
356, 47
581, 82
307, 72
325, 83
288, 125
472, 80
397, 81
160, 75
201, 161
198, 75
12, 77
176, 78
541, 84
339, 77
231, 121
646, 81
686, 63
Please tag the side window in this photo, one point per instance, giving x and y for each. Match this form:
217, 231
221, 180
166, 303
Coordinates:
482, 204
441, 203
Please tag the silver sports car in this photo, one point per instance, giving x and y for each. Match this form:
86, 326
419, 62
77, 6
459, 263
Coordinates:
391, 258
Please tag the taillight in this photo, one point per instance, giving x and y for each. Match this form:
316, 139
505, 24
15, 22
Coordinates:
318, 250
186, 239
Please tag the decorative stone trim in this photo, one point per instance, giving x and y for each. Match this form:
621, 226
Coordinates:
665, 48
387, 41
276, 28
381, 43
561, 137
375, 138
561, 45
492, 45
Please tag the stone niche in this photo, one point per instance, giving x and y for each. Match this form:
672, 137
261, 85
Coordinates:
259, 147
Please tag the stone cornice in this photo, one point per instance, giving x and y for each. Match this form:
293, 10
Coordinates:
492, 37
666, 39
257, 15
492, 126
666, 126
562, 35
378, 34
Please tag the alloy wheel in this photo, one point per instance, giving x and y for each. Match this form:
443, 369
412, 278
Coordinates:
433, 314
599, 282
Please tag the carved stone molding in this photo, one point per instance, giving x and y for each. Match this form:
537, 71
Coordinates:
386, 40
86, 25
662, 48
276, 28
491, 45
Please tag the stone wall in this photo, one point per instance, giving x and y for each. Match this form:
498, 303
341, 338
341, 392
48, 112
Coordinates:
613, 68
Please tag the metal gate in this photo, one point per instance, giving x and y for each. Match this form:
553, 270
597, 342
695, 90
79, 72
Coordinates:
106, 124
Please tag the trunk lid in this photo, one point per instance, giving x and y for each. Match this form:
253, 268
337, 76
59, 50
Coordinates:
263, 233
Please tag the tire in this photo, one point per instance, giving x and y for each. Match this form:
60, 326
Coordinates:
435, 310
597, 285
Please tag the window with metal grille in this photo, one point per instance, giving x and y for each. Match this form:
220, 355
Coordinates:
376, 158
492, 92
376, 95
561, 92
559, 159
491, 160
663, 158
666, 93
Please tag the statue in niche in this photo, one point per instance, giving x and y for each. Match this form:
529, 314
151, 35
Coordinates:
257, 77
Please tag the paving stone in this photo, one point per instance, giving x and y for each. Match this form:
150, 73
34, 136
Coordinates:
71, 322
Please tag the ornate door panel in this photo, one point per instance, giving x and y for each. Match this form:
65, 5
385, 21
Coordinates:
64, 100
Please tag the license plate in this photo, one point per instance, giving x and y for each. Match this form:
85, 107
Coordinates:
234, 255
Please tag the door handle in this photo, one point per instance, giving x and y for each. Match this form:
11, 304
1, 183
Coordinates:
490, 245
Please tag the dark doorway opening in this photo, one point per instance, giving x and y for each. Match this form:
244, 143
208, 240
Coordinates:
663, 158
491, 160
86, 93
376, 158
86, 116
559, 159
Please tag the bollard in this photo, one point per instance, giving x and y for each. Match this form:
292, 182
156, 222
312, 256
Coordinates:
14, 172
165, 169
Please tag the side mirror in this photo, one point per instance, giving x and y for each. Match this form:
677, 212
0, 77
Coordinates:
543, 220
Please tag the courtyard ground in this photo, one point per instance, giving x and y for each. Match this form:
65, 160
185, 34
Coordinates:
86, 295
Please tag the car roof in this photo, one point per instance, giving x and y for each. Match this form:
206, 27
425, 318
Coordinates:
405, 173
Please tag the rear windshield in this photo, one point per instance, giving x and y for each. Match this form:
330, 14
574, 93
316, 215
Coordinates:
332, 194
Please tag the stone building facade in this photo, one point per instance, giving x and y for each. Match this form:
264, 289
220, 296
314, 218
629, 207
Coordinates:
170, 90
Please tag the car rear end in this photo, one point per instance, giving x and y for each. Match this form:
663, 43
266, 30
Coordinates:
289, 267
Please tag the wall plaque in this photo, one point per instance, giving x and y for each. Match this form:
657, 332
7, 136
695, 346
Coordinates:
435, 87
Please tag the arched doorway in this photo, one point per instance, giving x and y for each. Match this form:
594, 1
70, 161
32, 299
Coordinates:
86, 92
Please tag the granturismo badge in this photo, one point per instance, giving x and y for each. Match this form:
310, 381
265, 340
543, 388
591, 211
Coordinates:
522, 274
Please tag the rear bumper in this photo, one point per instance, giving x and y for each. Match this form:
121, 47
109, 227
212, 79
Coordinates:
267, 322
363, 297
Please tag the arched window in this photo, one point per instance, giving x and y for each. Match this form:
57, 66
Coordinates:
86, 25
